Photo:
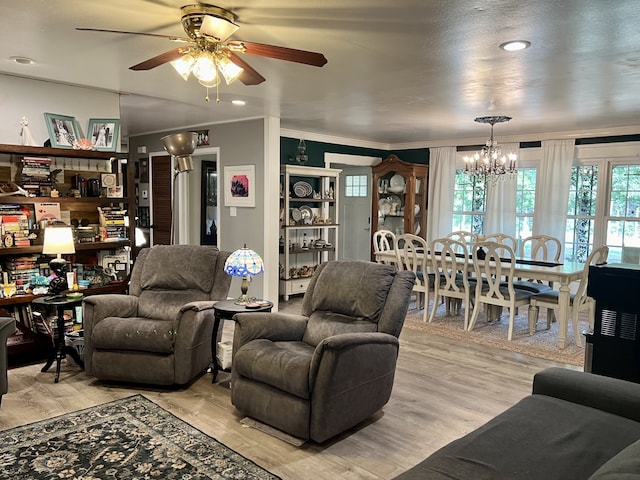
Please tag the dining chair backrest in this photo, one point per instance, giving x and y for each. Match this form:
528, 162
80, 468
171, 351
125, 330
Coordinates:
541, 247
597, 257
451, 261
498, 265
463, 236
412, 254
384, 241
501, 238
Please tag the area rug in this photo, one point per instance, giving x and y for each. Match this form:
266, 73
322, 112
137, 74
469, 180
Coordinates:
131, 438
542, 344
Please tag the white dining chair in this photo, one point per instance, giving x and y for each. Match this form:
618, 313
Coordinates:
463, 236
578, 302
450, 260
502, 238
412, 254
498, 265
384, 242
543, 248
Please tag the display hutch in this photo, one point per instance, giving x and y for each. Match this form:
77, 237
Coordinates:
399, 197
308, 224
70, 165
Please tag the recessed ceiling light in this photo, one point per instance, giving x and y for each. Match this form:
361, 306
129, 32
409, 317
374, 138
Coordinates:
23, 60
515, 45
238, 102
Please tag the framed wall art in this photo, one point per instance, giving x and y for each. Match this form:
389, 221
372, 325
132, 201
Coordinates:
103, 133
240, 186
63, 130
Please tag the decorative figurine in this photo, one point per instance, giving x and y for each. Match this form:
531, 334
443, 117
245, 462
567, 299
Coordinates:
25, 133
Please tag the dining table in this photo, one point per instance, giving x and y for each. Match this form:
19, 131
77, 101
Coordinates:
562, 273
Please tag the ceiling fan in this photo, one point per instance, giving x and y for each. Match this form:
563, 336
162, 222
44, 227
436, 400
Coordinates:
209, 55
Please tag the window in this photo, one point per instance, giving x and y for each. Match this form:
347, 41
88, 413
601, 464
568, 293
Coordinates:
469, 202
623, 220
525, 201
581, 214
355, 186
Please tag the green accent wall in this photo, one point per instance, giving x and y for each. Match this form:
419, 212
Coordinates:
316, 150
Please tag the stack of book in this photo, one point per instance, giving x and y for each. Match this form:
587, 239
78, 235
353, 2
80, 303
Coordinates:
14, 223
113, 226
22, 271
35, 176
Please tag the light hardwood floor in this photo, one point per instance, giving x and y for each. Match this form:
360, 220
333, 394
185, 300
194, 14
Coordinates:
443, 389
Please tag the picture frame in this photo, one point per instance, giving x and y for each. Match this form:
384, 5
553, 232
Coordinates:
203, 138
240, 186
103, 133
63, 130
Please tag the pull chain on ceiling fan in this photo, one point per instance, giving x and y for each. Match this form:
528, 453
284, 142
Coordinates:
209, 55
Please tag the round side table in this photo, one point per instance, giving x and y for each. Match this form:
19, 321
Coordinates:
225, 310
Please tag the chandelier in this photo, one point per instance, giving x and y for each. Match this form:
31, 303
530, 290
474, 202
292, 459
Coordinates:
489, 162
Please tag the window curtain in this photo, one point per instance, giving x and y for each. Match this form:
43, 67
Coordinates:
552, 197
442, 173
500, 215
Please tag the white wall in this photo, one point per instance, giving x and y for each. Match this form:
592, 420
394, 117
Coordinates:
32, 98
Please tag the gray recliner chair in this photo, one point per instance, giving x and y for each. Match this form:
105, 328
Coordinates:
161, 332
7, 328
320, 373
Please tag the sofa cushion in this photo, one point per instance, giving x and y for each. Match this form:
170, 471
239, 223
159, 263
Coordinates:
540, 437
625, 465
354, 289
283, 365
179, 267
134, 333
326, 324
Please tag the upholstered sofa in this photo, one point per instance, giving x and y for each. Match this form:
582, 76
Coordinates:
320, 373
7, 328
575, 426
161, 332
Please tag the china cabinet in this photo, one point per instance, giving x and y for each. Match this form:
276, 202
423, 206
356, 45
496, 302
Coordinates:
399, 199
308, 224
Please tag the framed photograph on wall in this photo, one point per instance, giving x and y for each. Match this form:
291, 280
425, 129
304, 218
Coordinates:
240, 186
103, 133
63, 130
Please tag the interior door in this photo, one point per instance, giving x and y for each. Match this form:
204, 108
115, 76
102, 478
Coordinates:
161, 200
355, 212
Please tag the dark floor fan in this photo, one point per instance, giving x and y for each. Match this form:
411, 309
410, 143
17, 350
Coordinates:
180, 146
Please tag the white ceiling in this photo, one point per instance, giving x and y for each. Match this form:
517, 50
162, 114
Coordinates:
398, 72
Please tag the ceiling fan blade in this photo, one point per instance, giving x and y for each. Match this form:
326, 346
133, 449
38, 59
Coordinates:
249, 76
280, 53
173, 38
161, 59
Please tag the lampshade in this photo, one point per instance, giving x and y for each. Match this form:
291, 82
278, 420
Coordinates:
244, 262
58, 240
181, 146
183, 65
229, 70
218, 23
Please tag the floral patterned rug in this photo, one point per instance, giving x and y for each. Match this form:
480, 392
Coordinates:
131, 438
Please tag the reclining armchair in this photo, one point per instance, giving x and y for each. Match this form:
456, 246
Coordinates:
7, 328
320, 373
161, 332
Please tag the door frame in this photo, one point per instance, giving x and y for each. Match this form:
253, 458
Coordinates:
332, 159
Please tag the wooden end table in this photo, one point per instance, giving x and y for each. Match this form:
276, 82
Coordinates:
60, 349
225, 310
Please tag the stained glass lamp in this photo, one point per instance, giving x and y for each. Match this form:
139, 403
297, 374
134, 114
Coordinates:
244, 263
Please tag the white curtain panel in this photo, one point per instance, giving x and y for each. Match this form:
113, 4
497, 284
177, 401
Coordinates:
442, 173
500, 216
554, 178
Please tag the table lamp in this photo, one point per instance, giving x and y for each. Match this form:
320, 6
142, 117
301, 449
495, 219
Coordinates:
244, 262
58, 240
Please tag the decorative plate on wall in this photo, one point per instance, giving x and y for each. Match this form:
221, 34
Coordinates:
302, 189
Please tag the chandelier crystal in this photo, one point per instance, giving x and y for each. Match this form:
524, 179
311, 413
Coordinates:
490, 162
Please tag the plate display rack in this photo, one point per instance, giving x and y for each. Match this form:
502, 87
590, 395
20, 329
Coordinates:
308, 224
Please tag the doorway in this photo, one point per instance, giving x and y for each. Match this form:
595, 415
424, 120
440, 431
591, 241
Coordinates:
209, 204
355, 214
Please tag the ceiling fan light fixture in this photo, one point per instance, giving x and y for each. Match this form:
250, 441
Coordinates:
204, 67
219, 25
183, 65
229, 70
210, 83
